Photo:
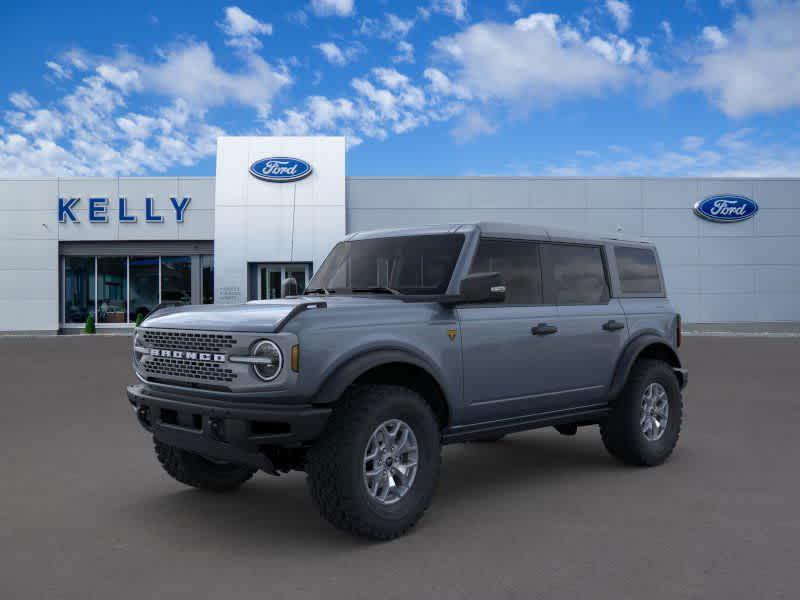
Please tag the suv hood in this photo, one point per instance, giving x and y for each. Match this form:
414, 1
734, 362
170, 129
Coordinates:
259, 317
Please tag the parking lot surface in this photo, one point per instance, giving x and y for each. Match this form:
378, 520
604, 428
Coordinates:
86, 512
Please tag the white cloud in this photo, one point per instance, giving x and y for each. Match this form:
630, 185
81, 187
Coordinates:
397, 26
472, 124
692, 143
666, 27
336, 55
405, 53
90, 131
385, 101
514, 8
735, 154
715, 37
191, 72
57, 70
621, 11
339, 8
22, 100
453, 8
758, 70
537, 60
727, 3
441, 84
243, 29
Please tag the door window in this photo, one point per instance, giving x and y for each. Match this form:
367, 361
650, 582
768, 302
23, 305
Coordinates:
518, 264
574, 274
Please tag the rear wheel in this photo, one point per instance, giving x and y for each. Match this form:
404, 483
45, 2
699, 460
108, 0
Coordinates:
374, 470
197, 471
645, 422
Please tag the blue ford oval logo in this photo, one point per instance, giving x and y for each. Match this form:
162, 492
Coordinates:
726, 209
280, 169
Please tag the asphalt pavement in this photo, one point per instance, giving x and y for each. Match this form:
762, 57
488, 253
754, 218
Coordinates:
86, 511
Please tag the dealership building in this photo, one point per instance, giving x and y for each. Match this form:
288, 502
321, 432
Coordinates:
114, 248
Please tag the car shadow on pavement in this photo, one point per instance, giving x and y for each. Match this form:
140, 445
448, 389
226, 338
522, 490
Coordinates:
269, 511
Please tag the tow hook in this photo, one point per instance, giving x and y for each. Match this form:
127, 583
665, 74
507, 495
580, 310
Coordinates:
143, 414
216, 427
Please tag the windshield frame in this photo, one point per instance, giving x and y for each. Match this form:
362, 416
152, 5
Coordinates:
328, 270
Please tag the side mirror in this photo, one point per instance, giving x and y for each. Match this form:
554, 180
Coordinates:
482, 287
289, 287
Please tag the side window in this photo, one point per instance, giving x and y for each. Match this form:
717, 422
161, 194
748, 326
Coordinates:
517, 262
638, 271
575, 274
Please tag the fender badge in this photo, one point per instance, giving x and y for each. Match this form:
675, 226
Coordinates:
451, 333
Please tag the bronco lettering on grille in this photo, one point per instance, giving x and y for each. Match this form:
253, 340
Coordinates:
187, 355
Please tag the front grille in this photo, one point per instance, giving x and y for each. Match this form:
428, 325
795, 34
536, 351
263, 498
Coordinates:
190, 369
166, 339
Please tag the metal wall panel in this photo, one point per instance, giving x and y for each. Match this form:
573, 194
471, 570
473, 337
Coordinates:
716, 272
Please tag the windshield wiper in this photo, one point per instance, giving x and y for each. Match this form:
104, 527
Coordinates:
319, 290
377, 290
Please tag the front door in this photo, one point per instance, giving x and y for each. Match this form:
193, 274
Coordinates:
509, 365
271, 277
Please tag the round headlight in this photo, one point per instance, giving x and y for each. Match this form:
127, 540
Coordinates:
137, 356
270, 360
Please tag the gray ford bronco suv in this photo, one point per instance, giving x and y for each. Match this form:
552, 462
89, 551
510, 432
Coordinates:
405, 340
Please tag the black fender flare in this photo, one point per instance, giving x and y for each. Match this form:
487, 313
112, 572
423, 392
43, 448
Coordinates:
633, 350
351, 369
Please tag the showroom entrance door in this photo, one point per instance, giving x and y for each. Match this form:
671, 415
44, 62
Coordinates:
272, 275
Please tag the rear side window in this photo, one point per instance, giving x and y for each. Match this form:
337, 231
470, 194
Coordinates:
638, 271
575, 274
518, 264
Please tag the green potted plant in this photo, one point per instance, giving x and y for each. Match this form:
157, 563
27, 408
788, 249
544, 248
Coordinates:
139, 319
89, 327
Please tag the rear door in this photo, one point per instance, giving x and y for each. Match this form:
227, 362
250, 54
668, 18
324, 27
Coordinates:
508, 370
592, 329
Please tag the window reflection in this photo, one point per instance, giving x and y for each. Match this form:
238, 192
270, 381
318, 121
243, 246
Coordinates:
78, 288
144, 285
112, 290
176, 279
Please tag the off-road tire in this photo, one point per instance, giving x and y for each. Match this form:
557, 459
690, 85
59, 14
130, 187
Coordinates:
196, 471
621, 430
335, 463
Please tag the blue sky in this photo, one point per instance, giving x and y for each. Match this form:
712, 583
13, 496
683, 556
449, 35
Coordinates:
438, 87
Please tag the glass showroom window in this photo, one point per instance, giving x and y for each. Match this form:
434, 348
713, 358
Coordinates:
112, 289
79, 288
144, 286
207, 273
176, 279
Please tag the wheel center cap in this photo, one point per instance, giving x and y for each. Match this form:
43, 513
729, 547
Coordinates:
389, 461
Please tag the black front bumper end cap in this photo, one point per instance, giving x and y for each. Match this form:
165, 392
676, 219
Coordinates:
233, 432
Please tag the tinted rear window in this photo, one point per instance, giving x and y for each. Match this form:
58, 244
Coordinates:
576, 274
638, 271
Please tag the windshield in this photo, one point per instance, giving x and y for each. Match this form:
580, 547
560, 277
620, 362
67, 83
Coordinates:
420, 264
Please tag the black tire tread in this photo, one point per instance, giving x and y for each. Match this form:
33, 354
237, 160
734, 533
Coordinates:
619, 438
326, 484
195, 471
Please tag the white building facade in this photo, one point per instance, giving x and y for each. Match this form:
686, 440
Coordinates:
114, 248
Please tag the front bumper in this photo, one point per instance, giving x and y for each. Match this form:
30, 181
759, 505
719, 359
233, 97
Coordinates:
232, 432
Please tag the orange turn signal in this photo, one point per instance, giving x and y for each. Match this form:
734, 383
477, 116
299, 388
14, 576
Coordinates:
296, 358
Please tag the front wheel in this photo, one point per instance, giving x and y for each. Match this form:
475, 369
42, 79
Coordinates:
375, 468
645, 421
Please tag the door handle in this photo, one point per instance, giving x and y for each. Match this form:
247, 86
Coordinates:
613, 325
543, 329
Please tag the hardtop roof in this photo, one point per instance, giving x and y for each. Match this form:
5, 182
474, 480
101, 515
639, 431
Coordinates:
499, 229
